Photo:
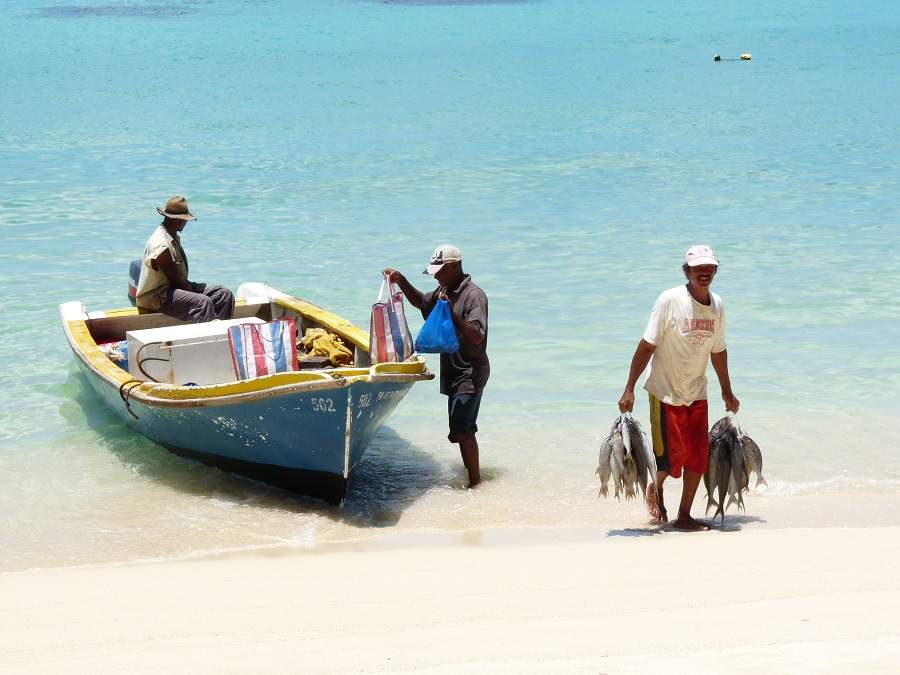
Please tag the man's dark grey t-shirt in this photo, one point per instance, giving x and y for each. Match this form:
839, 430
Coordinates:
466, 371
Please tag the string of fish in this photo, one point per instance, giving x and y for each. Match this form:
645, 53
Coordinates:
733, 455
626, 456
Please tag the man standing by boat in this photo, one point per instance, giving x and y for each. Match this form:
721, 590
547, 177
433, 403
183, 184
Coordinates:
163, 285
465, 372
686, 330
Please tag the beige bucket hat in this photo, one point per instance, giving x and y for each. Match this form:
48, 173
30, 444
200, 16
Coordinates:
176, 207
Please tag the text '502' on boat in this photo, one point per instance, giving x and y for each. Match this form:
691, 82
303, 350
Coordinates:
233, 394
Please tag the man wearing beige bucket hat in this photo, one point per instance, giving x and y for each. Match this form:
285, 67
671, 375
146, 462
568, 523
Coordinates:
164, 286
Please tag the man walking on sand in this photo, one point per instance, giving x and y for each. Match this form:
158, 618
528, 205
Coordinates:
464, 373
686, 330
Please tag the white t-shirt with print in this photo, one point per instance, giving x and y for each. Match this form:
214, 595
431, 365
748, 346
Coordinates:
685, 333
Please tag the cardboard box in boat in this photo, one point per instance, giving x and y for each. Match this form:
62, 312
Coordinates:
194, 353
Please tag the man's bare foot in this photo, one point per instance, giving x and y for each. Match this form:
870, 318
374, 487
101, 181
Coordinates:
685, 522
655, 507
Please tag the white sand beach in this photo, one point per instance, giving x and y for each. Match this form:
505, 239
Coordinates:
758, 599
573, 152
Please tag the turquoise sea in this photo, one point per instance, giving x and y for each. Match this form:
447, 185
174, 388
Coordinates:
572, 149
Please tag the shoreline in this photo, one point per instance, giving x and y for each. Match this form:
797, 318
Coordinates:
793, 599
851, 510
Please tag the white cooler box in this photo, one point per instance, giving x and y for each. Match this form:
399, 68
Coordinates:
195, 353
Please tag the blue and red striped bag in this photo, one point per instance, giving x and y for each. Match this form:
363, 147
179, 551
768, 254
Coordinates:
259, 349
389, 336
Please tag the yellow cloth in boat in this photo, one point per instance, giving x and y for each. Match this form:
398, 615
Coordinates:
319, 342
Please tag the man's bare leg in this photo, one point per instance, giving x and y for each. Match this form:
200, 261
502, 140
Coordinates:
468, 448
655, 504
684, 520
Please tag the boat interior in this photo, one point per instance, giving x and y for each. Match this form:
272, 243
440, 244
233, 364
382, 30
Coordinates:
112, 328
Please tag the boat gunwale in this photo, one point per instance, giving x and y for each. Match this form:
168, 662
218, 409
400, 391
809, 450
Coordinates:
148, 393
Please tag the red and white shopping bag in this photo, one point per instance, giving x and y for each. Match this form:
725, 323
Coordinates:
389, 336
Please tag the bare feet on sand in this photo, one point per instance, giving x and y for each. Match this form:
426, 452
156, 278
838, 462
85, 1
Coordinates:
655, 506
685, 522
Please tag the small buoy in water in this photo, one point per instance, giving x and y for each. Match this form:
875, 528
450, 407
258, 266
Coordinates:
746, 57
716, 57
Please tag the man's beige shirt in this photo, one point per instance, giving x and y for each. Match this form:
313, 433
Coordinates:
153, 285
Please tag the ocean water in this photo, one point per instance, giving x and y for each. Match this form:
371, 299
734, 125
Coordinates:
572, 149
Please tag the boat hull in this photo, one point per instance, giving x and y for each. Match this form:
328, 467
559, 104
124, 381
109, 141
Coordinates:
308, 442
302, 430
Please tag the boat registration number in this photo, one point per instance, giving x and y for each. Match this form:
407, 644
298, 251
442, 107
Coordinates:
322, 404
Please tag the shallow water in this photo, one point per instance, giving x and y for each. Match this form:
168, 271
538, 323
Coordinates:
572, 150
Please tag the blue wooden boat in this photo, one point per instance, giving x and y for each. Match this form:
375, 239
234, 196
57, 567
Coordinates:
303, 430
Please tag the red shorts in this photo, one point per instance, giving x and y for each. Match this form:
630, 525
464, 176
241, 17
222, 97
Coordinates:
680, 436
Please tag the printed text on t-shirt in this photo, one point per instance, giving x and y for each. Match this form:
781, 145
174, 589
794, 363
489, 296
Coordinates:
694, 325
698, 331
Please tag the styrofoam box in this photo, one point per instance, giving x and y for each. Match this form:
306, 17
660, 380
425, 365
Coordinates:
194, 353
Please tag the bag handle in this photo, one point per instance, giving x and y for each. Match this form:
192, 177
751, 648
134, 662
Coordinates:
254, 328
390, 286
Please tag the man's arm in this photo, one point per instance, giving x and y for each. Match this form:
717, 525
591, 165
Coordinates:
176, 278
469, 333
638, 363
720, 365
413, 294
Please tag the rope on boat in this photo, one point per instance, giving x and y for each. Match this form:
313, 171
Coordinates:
125, 394
140, 362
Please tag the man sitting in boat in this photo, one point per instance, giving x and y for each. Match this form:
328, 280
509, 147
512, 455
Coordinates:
163, 285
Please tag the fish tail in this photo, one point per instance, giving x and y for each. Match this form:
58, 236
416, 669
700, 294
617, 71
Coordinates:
760, 479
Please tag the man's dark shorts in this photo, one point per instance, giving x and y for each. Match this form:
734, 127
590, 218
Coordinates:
463, 412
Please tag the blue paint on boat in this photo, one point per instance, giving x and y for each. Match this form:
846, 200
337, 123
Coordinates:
306, 433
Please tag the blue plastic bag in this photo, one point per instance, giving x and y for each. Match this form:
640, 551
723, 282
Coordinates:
437, 335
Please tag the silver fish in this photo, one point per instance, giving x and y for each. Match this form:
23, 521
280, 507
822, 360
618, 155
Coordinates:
745, 475
737, 467
617, 461
639, 455
650, 458
734, 494
629, 473
753, 457
723, 473
629, 477
626, 435
720, 428
615, 425
710, 478
604, 470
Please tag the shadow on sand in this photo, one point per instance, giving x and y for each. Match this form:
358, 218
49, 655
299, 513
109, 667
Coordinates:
733, 523
390, 478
